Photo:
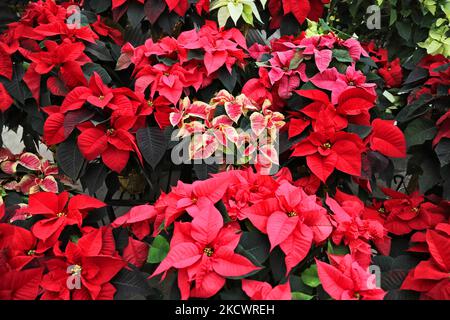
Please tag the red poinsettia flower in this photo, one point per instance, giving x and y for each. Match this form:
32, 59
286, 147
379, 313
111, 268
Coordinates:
20, 285
392, 73
293, 220
104, 30
245, 188
353, 106
311, 9
187, 197
378, 55
67, 56
203, 253
19, 245
328, 150
58, 211
431, 277
113, 144
355, 231
259, 290
139, 219
406, 213
287, 78
332, 80
84, 271
66, 31
345, 279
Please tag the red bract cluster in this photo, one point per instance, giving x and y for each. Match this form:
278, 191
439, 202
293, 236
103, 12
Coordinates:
311, 9
171, 66
203, 250
430, 277
35, 262
284, 64
53, 47
439, 75
390, 71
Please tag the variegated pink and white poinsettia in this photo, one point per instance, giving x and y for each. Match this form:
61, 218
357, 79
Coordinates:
229, 123
28, 173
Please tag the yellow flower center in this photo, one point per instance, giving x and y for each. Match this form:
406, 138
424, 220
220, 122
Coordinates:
101, 97
31, 252
208, 251
76, 269
292, 214
61, 214
326, 145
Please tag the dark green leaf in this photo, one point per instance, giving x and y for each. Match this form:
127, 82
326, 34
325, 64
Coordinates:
152, 143
443, 151
255, 246
99, 50
404, 29
69, 158
90, 68
227, 79
94, 177
419, 131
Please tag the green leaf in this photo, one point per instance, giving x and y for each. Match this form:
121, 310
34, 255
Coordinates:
152, 143
158, 251
70, 159
392, 17
247, 15
339, 250
404, 29
342, 55
227, 79
99, 5
301, 296
296, 60
255, 246
99, 50
135, 13
443, 152
90, 68
419, 131
310, 276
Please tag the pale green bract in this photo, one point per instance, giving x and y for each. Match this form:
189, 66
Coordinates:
433, 5
236, 9
438, 42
